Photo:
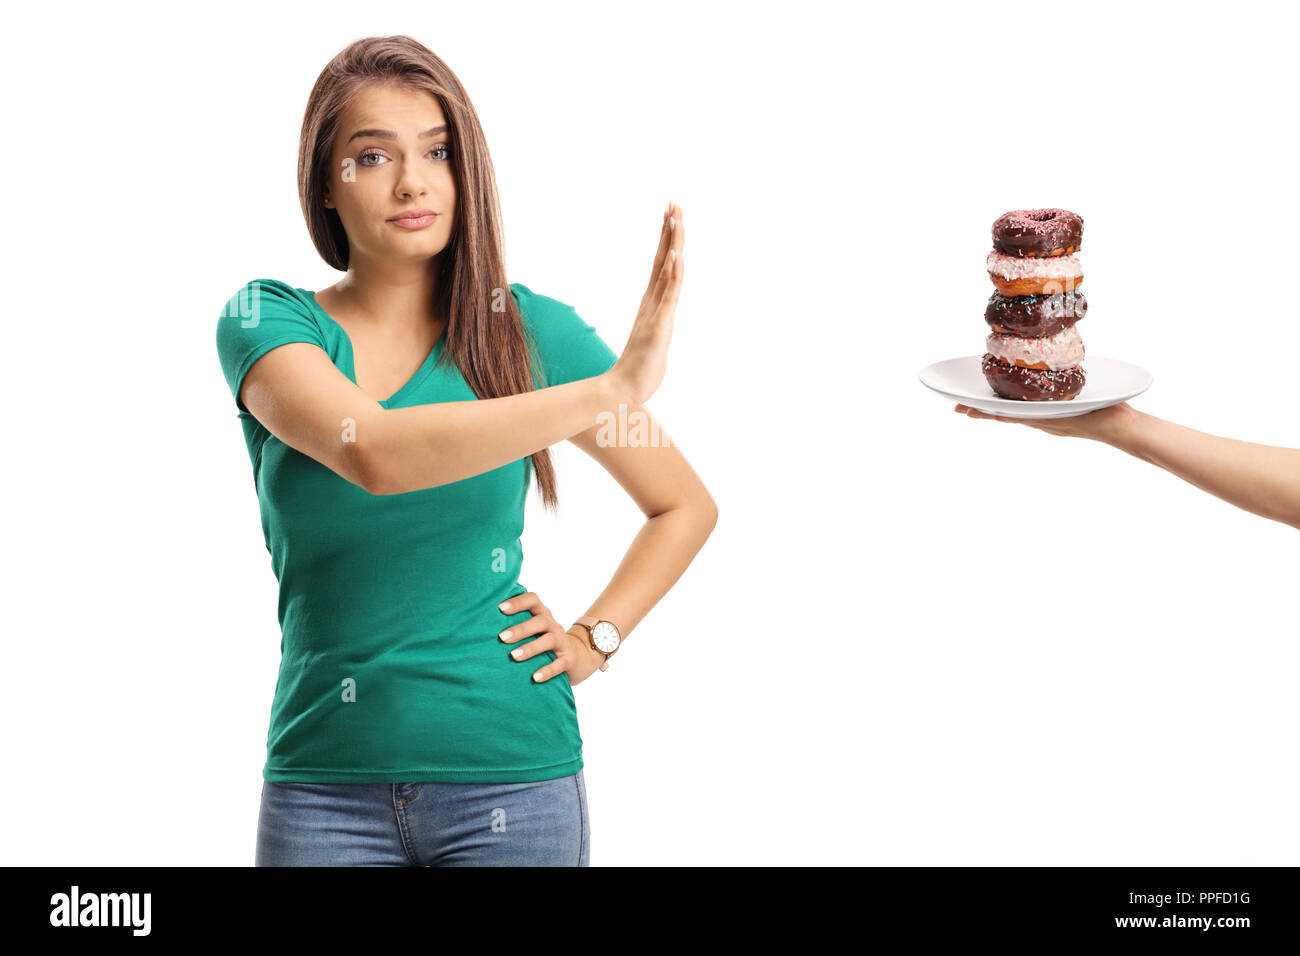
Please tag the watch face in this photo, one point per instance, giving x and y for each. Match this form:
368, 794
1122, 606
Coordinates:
605, 636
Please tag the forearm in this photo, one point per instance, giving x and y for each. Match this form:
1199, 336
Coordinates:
657, 557
423, 446
1263, 479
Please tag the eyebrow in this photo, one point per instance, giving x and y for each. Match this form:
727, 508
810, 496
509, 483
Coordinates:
389, 134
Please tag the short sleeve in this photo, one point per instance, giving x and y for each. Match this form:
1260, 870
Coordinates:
263, 314
568, 348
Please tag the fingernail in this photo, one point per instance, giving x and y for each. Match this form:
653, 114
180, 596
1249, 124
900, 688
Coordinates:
537, 676
515, 653
504, 605
504, 635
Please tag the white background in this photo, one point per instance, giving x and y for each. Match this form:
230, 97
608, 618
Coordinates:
913, 638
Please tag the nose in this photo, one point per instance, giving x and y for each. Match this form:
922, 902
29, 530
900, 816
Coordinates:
410, 185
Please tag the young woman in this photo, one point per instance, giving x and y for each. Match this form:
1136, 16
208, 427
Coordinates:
1264, 479
424, 712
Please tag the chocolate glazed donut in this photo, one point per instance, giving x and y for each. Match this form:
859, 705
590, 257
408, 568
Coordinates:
1034, 316
1038, 233
1032, 384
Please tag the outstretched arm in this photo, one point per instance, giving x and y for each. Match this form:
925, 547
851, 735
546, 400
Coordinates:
1263, 479
301, 398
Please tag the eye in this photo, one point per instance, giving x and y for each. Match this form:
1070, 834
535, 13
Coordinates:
440, 148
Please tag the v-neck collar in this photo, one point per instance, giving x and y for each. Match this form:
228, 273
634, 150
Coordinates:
351, 371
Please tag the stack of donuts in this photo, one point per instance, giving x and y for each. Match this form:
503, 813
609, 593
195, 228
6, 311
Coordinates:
1034, 352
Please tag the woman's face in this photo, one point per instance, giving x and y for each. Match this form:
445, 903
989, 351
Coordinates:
392, 154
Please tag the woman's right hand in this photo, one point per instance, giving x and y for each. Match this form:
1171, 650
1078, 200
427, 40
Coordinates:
640, 369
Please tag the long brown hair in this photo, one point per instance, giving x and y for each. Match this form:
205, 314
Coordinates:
485, 335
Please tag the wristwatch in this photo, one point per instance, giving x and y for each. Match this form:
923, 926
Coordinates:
602, 635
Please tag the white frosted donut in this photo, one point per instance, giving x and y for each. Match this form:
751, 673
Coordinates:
1015, 267
1058, 351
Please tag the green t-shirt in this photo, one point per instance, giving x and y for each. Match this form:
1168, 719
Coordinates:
390, 665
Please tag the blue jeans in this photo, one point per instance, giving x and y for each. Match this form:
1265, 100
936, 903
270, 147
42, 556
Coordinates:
543, 823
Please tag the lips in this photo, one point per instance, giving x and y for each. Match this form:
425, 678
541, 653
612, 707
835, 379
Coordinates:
412, 214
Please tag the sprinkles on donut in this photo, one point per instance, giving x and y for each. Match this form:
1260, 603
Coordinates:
1034, 315
1038, 233
1018, 275
1032, 384
1034, 353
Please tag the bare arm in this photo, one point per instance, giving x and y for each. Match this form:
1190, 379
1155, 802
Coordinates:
301, 398
1262, 479
424, 446
680, 516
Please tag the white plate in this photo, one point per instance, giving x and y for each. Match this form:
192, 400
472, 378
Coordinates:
1108, 381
